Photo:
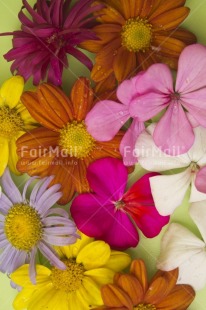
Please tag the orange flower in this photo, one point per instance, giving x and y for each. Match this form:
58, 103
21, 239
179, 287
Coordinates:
62, 146
132, 291
135, 34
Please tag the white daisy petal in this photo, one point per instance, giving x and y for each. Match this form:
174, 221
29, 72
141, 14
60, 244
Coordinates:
168, 191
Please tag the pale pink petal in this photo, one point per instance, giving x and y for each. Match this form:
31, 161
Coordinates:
191, 69
105, 119
197, 212
195, 104
127, 146
200, 181
174, 134
127, 90
168, 191
147, 105
152, 158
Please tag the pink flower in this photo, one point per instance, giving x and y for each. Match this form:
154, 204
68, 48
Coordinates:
53, 30
107, 117
111, 215
200, 181
185, 103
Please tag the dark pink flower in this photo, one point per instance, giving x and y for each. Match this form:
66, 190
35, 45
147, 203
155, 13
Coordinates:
55, 29
110, 214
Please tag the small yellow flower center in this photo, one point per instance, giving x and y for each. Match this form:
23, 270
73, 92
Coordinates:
23, 227
10, 122
119, 204
136, 34
68, 280
145, 307
75, 140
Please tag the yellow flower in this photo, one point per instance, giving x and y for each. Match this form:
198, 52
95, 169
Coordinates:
15, 120
90, 264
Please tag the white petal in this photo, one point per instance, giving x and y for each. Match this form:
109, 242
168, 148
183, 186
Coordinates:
195, 195
197, 153
198, 214
152, 158
177, 246
193, 271
168, 191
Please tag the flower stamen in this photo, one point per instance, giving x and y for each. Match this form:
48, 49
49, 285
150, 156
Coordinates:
145, 307
10, 122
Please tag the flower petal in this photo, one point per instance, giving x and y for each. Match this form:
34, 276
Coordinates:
191, 69
127, 90
10, 188
13, 157
100, 276
197, 153
174, 134
11, 90
168, 191
197, 212
124, 63
118, 261
200, 181
94, 255
196, 195
138, 269
105, 119
91, 292
4, 154
127, 146
113, 296
130, 285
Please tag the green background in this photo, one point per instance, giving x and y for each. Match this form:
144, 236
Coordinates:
148, 249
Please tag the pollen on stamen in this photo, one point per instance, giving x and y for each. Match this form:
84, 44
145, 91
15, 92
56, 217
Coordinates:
10, 122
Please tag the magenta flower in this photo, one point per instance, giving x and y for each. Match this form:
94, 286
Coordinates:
40, 48
200, 181
111, 215
27, 226
184, 103
107, 117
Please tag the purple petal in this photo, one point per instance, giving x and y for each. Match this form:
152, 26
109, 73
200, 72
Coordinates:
55, 71
49, 253
191, 69
80, 56
60, 230
44, 207
10, 188
47, 194
57, 220
200, 181
35, 16
5, 204
30, 180
57, 240
108, 178
57, 211
105, 119
127, 146
44, 186
32, 266
173, 134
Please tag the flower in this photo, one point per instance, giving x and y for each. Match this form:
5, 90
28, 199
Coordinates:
15, 120
55, 29
62, 147
200, 181
168, 191
132, 291
27, 226
181, 248
107, 117
109, 214
90, 264
135, 34
184, 103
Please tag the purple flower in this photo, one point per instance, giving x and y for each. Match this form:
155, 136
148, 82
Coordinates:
40, 48
27, 226
113, 215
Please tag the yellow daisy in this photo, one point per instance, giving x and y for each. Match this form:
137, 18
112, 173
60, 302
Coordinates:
15, 120
90, 264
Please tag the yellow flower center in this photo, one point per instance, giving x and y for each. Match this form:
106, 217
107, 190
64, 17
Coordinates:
75, 140
145, 307
10, 122
68, 280
136, 34
23, 227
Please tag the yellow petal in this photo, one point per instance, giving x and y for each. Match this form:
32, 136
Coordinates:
11, 90
58, 301
4, 147
22, 299
74, 302
29, 121
91, 292
40, 298
94, 255
21, 275
101, 276
118, 261
13, 157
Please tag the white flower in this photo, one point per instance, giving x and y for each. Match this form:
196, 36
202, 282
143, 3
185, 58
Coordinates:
181, 248
169, 190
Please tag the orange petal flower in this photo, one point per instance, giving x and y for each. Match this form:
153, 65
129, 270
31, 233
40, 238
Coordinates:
132, 291
135, 34
62, 146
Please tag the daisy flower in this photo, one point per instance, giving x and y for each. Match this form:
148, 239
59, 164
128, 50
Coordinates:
135, 34
184, 102
90, 264
53, 30
134, 291
118, 213
15, 120
27, 226
169, 190
62, 147
181, 248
